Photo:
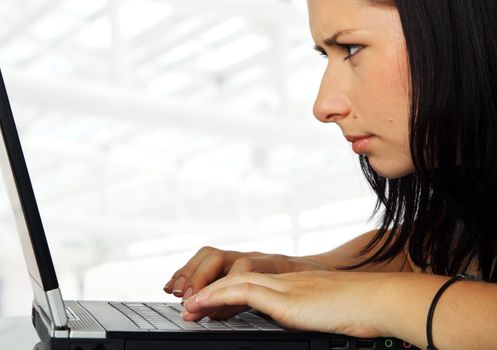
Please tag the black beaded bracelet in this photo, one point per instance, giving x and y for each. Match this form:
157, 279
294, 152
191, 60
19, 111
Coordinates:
431, 311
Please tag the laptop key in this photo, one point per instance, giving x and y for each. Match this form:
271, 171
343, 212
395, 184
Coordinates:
138, 320
259, 322
175, 317
213, 324
238, 325
190, 326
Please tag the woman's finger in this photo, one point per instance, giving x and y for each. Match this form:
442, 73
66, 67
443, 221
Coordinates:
222, 313
261, 279
262, 298
196, 316
209, 270
264, 263
180, 279
227, 312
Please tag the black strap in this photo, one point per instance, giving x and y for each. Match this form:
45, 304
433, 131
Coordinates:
431, 311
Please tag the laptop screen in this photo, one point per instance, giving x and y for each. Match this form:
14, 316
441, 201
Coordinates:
21, 195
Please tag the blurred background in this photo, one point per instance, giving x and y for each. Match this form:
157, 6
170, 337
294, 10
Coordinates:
154, 127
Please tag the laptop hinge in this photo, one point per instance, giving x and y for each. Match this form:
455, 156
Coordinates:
48, 325
52, 305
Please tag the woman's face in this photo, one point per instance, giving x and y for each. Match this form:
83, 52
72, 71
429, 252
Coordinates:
365, 88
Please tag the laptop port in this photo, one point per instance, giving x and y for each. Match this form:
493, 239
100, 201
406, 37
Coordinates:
365, 345
338, 345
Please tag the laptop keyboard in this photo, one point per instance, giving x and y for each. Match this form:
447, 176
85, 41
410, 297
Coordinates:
162, 316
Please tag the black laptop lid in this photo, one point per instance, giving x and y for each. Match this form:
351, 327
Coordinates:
21, 195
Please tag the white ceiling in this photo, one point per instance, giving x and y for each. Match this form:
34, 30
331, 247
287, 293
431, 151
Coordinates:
170, 116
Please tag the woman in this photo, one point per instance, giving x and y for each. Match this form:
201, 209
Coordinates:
413, 85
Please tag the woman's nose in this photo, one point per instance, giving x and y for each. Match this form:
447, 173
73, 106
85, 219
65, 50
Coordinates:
331, 108
331, 104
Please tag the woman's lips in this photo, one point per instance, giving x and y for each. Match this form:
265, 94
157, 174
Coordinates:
360, 144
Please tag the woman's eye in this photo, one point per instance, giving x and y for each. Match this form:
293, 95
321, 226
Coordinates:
351, 49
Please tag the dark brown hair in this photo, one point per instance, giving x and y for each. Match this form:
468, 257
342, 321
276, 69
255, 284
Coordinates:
445, 212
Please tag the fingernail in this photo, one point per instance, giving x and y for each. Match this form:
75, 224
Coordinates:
168, 284
188, 293
179, 285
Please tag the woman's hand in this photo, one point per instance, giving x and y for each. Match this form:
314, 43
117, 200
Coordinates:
323, 301
210, 264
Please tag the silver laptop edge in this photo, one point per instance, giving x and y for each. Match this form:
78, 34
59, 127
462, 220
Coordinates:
51, 301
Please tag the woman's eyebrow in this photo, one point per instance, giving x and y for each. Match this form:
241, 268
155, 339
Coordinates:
332, 41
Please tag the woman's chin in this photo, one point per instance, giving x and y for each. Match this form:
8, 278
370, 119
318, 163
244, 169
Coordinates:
392, 170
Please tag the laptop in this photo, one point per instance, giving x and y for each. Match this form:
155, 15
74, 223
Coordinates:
113, 325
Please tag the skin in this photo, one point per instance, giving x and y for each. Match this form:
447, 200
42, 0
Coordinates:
297, 300
367, 93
